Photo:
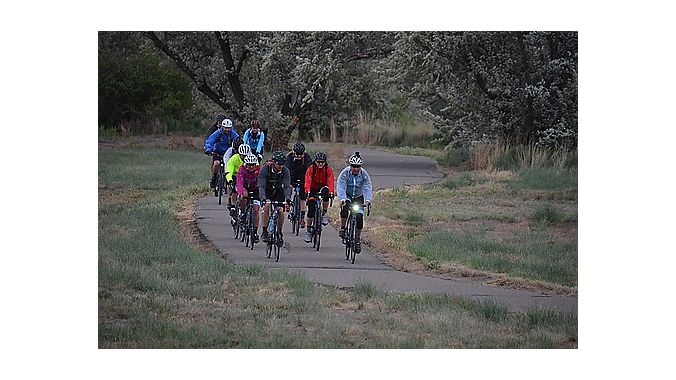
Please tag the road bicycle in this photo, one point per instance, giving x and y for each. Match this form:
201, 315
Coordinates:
350, 226
294, 215
236, 221
274, 243
220, 178
248, 229
316, 234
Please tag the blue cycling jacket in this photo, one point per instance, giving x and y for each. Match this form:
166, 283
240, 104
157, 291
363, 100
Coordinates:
219, 142
351, 186
255, 142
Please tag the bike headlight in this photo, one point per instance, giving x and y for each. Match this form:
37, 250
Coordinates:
355, 207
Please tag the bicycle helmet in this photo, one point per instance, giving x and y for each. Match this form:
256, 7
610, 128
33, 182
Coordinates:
320, 156
244, 150
226, 123
279, 157
255, 123
235, 144
250, 159
355, 159
299, 148
219, 118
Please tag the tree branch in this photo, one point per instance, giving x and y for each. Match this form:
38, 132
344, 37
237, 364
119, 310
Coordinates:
201, 83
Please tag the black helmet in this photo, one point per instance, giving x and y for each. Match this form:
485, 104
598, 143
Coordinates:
219, 118
279, 157
320, 156
236, 143
298, 147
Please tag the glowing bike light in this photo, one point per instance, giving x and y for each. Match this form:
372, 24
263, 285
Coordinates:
355, 207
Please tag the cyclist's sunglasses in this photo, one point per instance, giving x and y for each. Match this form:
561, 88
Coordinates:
320, 162
356, 166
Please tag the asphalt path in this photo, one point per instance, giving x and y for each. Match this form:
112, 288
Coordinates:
329, 267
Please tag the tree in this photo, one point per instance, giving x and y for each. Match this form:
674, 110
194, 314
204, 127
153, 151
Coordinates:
135, 86
278, 76
475, 86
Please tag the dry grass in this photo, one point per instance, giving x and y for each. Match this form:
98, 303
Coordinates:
500, 156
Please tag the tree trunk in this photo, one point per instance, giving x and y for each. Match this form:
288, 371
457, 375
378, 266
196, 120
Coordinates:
231, 70
201, 83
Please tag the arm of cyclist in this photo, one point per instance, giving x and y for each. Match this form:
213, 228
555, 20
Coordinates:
331, 179
239, 184
209, 142
342, 184
262, 178
230, 167
259, 147
368, 190
308, 179
286, 181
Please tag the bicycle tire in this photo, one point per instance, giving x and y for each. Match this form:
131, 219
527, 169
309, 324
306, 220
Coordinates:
352, 244
277, 247
250, 223
347, 237
318, 226
219, 186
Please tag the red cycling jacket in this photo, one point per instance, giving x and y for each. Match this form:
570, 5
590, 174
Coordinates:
316, 178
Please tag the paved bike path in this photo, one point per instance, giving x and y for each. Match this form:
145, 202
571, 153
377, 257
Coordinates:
329, 267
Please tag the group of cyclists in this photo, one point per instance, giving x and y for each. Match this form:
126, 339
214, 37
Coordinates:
273, 180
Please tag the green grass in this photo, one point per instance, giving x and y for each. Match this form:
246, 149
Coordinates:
156, 290
531, 255
546, 179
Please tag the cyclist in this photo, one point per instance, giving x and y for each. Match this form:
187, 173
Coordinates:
234, 148
247, 187
233, 166
274, 184
354, 183
297, 161
255, 138
318, 175
214, 126
219, 142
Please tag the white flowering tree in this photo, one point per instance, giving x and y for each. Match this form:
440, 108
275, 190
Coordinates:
277, 77
520, 87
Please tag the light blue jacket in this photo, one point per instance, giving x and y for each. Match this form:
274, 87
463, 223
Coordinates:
256, 143
352, 186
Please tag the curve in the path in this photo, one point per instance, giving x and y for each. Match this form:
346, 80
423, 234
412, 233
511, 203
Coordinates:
329, 267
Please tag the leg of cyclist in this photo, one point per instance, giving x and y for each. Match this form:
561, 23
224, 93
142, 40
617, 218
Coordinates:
266, 218
256, 211
325, 205
242, 206
303, 198
215, 163
343, 220
310, 220
233, 197
357, 232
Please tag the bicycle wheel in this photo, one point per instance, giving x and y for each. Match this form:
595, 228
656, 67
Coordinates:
351, 241
220, 187
347, 237
252, 228
318, 227
277, 247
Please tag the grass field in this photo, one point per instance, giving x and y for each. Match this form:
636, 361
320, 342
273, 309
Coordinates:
161, 287
518, 225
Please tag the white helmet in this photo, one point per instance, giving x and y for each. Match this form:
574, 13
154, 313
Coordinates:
226, 123
355, 159
244, 150
250, 159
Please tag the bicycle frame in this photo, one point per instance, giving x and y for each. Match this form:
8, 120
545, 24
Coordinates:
272, 230
350, 227
317, 228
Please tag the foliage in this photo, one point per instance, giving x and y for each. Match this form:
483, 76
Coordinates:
135, 86
479, 86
